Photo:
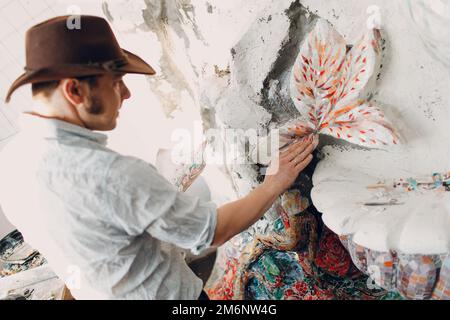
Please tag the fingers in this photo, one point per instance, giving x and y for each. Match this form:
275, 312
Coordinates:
302, 156
298, 152
303, 164
295, 148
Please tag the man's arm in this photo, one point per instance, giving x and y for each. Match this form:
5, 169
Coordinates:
235, 217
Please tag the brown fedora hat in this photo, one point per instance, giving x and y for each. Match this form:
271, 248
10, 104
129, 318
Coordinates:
55, 51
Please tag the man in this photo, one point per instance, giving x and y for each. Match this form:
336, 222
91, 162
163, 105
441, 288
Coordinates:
109, 225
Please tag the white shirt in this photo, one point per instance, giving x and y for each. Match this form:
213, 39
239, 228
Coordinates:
109, 225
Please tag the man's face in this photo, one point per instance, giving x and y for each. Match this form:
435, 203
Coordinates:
104, 101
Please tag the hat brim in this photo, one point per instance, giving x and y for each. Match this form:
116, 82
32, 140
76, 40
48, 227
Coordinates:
135, 65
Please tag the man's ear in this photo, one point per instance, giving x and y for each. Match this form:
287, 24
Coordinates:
74, 91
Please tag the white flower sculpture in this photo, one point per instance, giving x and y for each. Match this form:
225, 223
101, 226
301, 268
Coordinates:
328, 84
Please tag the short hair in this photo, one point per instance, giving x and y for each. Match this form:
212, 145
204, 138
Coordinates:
47, 88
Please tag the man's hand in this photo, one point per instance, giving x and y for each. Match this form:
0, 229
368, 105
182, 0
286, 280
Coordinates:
235, 217
284, 169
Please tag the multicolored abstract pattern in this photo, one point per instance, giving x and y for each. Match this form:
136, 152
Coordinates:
327, 87
437, 182
287, 232
338, 268
285, 275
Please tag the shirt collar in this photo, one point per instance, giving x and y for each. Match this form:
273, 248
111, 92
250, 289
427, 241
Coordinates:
52, 128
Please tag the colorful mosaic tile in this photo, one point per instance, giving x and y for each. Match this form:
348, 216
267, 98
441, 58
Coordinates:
417, 275
442, 290
381, 268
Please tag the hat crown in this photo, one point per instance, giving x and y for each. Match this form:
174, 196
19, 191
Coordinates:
67, 41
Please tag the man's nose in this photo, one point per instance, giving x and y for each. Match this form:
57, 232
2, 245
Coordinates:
125, 92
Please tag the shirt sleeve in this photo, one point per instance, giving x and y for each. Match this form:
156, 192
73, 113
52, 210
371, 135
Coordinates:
141, 200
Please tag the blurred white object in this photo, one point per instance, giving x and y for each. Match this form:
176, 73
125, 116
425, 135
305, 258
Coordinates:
5, 226
432, 19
